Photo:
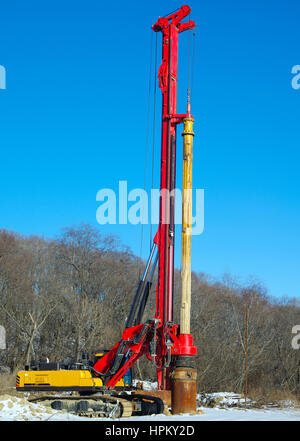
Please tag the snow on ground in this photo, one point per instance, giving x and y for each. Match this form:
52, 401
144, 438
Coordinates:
216, 414
224, 406
19, 409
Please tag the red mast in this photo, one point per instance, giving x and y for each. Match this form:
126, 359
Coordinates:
170, 27
158, 338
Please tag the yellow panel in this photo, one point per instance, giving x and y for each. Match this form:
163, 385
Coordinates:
61, 378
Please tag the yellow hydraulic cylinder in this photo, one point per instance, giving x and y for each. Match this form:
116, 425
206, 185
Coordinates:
185, 310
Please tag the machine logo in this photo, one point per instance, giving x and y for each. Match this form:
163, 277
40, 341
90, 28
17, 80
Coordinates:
2, 77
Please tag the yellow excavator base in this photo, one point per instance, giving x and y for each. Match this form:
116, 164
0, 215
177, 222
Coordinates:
59, 380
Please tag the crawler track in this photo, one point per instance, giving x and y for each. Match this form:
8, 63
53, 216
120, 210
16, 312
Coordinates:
104, 406
98, 406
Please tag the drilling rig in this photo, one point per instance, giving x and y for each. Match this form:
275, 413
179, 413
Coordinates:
168, 345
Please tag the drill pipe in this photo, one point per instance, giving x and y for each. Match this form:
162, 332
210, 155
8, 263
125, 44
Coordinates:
185, 310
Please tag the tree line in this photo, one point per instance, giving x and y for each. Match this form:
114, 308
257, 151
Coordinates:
60, 297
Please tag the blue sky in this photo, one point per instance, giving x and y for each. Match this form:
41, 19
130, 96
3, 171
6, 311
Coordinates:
73, 120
